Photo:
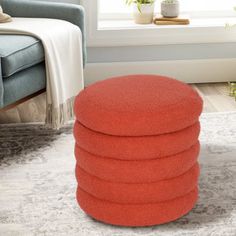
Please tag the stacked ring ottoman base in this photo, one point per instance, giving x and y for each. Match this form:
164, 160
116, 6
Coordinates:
137, 149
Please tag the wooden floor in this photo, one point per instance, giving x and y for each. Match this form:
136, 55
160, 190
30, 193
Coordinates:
216, 99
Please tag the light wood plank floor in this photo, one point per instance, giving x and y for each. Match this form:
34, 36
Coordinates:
216, 99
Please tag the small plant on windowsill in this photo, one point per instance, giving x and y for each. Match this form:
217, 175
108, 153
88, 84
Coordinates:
143, 10
232, 87
170, 8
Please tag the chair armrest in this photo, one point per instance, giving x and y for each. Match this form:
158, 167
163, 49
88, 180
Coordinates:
39, 9
1, 87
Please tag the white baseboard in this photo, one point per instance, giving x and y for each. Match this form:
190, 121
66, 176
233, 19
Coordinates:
189, 71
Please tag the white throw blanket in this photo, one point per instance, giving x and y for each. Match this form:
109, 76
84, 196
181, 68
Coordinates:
62, 43
4, 17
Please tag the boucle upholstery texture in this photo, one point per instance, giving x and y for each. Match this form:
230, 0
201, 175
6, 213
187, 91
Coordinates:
128, 193
136, 149
136, 214
137, 171
138, 105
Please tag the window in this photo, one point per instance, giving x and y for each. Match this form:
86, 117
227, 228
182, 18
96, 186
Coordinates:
116, 9
110, 23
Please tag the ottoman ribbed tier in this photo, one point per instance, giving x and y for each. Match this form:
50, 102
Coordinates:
136, 148
136, 214
138, 105
137, 171
128, 193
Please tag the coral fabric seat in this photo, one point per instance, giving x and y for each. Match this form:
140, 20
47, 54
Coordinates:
138, 105
136, 214
137, 149
130, 193
125, 171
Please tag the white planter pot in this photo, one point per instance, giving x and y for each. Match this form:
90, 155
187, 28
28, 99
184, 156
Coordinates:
146, 14
170, 9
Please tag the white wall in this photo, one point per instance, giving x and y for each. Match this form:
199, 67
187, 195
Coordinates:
162, 52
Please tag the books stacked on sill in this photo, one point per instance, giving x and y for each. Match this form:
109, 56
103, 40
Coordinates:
181, 20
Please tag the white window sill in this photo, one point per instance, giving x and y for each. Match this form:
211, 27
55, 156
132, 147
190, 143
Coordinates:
194, 23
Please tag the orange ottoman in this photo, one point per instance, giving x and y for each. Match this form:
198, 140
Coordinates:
137, 149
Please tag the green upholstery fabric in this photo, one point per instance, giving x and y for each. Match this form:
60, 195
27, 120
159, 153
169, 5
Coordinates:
24, 83
39, 9
19, 52
33, 79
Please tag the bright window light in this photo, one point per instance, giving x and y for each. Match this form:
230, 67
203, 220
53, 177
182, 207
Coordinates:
117, 7
113, 6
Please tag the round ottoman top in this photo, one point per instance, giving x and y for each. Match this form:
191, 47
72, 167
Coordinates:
138, 105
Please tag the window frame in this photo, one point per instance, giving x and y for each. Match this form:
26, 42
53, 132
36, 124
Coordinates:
192, 14
207, 32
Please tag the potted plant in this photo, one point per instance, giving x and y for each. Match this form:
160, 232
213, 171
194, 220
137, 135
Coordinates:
170, 8
232, 86
143, 10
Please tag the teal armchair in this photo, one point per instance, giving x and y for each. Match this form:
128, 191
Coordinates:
22, 67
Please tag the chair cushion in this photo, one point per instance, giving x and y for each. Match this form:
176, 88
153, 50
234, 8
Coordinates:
19, 52
130, 193
138, 105
137, 171
24, 83
136, 214
136, 148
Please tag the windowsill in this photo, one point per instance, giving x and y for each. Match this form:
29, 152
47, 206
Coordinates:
194, 23
110, 33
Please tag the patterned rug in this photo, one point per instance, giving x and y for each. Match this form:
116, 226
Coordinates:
37, 185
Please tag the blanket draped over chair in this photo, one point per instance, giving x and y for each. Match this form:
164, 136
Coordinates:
4, 17
62, 43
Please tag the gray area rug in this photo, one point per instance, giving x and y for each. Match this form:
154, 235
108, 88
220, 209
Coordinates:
37, 185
